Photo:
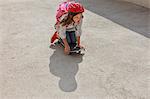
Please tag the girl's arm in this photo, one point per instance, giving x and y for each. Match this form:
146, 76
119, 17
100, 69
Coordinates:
66, 45
78, 32
62, 34
78, 40
65, 42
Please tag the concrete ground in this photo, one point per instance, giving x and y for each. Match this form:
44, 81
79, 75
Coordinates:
116, 64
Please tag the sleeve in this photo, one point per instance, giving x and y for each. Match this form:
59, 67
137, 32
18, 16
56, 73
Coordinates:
78, 29
62, 31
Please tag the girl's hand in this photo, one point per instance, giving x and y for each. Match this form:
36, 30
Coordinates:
81, 46
66, 49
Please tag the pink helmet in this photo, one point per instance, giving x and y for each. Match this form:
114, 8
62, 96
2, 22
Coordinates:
75, 7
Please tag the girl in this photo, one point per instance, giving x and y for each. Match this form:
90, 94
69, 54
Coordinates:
69, 24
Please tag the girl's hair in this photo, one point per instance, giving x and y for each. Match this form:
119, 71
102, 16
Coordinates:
69, 19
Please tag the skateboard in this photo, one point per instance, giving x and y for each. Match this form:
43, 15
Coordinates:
74, 49
71, 39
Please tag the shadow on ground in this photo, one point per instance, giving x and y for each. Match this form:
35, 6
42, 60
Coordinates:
129, 15
65, 67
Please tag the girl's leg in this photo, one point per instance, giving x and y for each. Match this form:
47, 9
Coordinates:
54, 37
71, 39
